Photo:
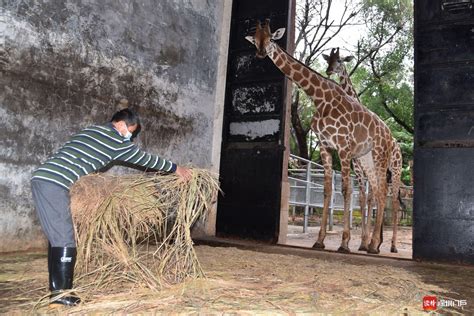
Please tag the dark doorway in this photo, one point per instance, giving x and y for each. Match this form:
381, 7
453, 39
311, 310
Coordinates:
253, 148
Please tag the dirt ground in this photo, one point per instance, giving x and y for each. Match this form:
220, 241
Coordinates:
296, 237
275, 280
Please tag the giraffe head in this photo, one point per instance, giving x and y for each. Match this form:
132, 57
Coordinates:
335, 62
263, 38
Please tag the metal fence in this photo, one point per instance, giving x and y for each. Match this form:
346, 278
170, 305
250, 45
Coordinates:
307, 190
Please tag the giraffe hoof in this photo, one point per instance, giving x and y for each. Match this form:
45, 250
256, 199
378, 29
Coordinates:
344, 250
363, 248
319, 245
394, 249
373, 250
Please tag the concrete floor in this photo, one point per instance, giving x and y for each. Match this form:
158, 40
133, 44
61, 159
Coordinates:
456, 279
296, 237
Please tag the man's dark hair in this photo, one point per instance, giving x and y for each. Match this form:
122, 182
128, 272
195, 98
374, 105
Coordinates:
126, 115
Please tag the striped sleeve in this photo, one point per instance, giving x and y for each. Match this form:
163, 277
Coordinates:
138, 157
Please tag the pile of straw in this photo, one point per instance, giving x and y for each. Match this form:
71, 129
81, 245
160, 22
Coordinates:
134, 231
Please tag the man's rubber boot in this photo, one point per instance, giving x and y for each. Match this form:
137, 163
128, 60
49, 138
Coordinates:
49, 264
61, 273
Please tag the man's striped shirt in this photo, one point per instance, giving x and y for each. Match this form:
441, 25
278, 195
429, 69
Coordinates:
94, 148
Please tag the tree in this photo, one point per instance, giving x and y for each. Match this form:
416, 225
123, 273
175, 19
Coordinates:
386, 74
386, 50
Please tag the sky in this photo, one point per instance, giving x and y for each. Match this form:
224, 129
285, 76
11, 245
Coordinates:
349, 35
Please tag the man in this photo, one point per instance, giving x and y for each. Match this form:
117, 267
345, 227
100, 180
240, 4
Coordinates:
91, 149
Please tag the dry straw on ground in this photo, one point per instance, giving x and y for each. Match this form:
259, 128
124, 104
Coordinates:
134, 231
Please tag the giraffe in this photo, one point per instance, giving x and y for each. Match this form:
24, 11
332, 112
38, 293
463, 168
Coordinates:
342, 124
336, 66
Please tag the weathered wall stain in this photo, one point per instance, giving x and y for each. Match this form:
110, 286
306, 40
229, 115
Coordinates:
67, 64
255, 99
255, 130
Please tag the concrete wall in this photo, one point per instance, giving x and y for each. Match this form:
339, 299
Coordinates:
66, 64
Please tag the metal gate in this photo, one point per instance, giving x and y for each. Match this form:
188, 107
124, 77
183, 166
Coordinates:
253, 132
444, 131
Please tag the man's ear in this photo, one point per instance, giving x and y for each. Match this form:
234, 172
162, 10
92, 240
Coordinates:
348, 59
278, 34
326, 57
251, 39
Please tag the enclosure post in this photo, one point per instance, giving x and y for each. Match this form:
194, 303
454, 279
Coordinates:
331, 205
365, 216
351, 207
308, 192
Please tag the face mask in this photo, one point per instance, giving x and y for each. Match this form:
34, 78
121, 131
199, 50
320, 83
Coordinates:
128, 135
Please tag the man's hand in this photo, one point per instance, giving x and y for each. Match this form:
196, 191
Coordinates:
184, 173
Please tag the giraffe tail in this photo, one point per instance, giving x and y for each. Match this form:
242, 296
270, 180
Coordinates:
400, 200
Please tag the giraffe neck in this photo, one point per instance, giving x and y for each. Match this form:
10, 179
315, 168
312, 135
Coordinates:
306, 78
346, 84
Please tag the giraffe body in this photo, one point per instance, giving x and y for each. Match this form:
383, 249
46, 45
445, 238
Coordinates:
342, 124
336, 65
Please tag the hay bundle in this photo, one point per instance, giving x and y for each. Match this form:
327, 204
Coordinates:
134, 231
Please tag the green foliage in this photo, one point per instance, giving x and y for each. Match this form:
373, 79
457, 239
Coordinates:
387, 75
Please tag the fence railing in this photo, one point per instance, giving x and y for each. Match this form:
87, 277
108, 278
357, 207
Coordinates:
307, 190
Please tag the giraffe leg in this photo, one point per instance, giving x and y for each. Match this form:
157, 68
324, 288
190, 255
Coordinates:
370, 199
347, 192
380, 196
396, 169
367, 164
327, 163
395, 211
362, 203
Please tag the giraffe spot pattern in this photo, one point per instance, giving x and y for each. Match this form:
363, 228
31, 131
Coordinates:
297, 76
319, 93
327, 95
286, 69
297, 67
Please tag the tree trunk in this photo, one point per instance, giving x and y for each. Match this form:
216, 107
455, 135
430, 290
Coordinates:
300, 133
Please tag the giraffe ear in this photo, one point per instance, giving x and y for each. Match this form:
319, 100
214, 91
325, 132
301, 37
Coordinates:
348, 59
278, 34
326, 57
251, 39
